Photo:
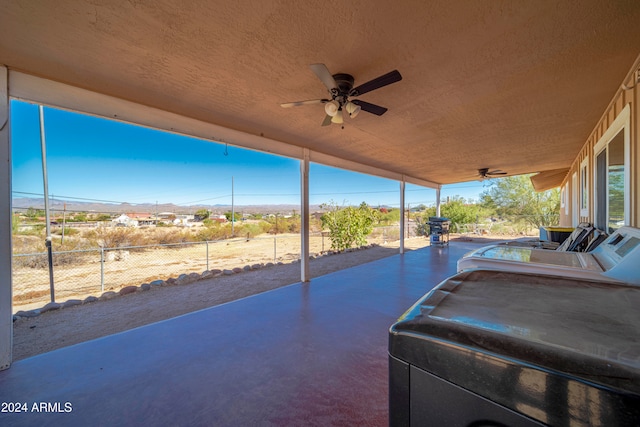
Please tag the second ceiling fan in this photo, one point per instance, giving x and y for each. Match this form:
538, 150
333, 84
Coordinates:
340, 87
485, 173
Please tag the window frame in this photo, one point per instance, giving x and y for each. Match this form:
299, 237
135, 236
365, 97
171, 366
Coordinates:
620, 124
584, 187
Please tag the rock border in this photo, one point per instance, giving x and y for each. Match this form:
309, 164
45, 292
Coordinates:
181, 280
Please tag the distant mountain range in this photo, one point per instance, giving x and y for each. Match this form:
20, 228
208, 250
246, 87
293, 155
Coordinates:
23, 203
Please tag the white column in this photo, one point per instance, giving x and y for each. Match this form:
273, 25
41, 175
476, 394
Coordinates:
6, 315
438, 200
304, 217
402, 216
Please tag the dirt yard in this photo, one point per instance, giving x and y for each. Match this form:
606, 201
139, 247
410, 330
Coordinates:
86, 275
72, 325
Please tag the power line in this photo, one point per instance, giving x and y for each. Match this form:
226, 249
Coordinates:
337, 193
69, 197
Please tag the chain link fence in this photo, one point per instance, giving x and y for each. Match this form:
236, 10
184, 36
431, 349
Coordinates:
80, 273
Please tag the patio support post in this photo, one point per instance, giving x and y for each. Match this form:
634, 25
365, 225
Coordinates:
6, 316
304, 217
45, 186
438, 200
402, 224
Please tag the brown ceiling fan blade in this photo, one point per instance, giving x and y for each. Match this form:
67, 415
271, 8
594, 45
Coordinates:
308, 102
324, 75
377, 83
370, 108
327, 120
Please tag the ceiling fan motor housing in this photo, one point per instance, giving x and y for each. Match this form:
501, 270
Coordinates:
344, 83
340, 86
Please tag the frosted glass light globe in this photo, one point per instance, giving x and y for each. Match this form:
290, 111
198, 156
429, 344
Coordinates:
352, 109
331, 108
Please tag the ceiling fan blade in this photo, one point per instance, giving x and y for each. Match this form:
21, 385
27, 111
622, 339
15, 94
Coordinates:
308, 102
324, 75
486, 173
370, 108
377, 83
327, 120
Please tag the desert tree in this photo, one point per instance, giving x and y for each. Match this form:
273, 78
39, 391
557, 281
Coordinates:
514, 198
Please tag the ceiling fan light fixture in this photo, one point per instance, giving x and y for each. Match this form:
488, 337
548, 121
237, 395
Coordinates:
352, 109
341, 88
331, 108
337, 118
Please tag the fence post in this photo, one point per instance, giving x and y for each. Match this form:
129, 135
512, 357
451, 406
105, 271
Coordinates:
50, 258
207, 243
101, 269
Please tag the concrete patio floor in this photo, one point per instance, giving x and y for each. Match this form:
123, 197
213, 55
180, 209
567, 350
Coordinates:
306, 354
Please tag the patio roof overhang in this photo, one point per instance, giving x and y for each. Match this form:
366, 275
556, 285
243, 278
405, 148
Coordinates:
548, 179
516, 86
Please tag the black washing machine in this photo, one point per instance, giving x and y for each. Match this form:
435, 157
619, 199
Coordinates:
498, 348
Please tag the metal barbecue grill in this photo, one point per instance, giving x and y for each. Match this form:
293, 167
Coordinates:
439, 230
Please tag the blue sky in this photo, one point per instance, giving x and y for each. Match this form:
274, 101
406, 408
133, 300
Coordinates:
91, 158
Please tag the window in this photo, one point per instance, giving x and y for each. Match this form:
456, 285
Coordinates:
584, 187
575, 217
601, 190
612, 175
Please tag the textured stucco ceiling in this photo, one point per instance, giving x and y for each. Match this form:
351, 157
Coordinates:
510, 85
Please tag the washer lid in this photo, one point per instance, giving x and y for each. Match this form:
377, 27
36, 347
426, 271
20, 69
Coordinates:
542, 257
588, 329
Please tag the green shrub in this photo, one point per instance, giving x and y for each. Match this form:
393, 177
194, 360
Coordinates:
15, 223
68, 231
117, 237
33, 230
281, 225
349, 226
389, 216
216, 231
459, 212
166, 237
252, 229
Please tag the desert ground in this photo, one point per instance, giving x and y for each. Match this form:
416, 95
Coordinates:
72, 325
87, 275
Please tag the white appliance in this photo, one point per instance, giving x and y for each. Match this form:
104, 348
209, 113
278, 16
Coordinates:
616, 259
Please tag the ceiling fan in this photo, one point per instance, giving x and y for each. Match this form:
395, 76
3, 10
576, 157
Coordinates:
485, 173
340, 87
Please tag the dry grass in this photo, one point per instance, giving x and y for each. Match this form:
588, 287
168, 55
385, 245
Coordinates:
85, 276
